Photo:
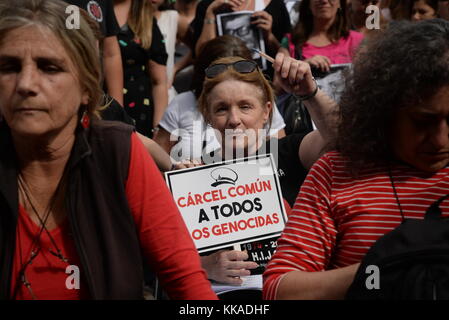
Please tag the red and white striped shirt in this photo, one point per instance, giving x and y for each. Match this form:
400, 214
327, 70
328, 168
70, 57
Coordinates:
337, 218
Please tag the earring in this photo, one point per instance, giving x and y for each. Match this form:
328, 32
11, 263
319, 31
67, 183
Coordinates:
85, 120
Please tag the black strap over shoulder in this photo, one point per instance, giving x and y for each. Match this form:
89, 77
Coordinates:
434, 211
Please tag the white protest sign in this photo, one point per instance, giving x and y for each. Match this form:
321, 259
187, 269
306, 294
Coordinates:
231, 202
238, 24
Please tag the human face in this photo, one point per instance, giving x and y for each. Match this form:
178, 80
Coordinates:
421, 133
443, 9
241, 28
422, 11
40, 93
237, 111
324, 9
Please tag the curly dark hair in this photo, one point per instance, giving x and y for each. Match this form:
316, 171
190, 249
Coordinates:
403, 67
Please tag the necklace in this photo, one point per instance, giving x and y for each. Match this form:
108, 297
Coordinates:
35, 246
395, 193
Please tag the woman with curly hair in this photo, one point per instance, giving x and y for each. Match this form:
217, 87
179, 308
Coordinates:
390, 164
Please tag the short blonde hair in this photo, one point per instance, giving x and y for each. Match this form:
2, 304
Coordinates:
255, 78
80, 44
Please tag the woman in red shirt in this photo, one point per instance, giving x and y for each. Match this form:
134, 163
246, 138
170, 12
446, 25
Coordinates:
82, 203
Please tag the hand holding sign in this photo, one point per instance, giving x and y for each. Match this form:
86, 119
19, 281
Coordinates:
216, 5
227, 204
184, 164
227, 266
264, 21
320, 62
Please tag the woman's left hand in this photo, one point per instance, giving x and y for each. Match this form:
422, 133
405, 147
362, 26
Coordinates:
264, 21
185, 164
294, 76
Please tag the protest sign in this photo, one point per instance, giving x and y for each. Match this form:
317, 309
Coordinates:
333, 83
238, 24
229, 203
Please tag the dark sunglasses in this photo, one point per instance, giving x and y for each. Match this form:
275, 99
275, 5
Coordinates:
242, 66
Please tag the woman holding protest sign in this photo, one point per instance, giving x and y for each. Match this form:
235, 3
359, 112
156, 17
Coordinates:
237, 100
77, 193
270, 16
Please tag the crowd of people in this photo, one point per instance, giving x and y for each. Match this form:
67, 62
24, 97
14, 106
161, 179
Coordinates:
90, 116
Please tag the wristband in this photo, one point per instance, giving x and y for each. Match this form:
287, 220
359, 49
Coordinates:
209, 21
309, 96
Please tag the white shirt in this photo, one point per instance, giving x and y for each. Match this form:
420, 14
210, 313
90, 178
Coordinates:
168, 24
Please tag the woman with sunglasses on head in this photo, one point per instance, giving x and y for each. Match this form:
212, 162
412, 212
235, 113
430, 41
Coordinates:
237, 101
81, 202
183, 133
322, 36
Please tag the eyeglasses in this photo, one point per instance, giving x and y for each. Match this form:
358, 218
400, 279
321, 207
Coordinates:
241, 32
242, 66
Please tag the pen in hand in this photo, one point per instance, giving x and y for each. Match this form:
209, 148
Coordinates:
266, 56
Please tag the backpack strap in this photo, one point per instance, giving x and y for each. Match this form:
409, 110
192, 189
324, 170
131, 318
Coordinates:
434, 211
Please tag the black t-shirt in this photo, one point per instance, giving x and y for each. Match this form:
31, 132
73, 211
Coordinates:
291, 172
101, 11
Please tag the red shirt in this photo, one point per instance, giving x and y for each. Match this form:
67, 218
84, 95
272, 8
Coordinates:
337, 218
163, 236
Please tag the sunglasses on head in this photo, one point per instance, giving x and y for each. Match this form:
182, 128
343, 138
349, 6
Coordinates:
242, 66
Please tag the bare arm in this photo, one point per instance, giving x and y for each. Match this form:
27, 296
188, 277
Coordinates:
184, 62
162, 138
295, 77
264, 21
301, 285
209, 31
158, 75
322, 110
113, 70
161, 157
